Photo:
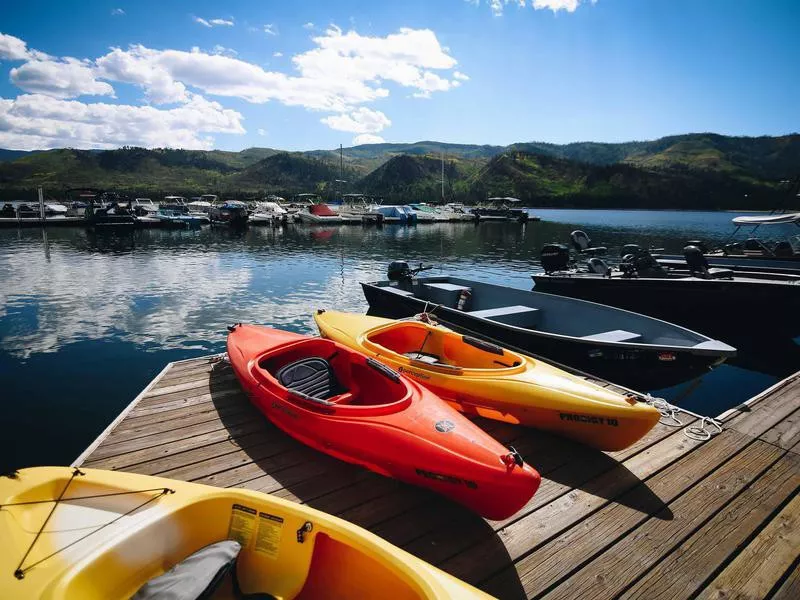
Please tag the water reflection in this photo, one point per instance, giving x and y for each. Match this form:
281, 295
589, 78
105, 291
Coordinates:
86, 320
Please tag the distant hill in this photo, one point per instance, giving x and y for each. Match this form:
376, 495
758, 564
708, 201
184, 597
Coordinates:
700, 170
408, 178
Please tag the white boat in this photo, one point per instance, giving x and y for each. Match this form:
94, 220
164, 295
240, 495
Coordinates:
55, 209
268, 213
320, 214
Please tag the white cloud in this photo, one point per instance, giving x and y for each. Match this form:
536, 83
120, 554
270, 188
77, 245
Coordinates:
36, 121
223, 51
497, 6
61, 78
308, 25
339, 75
262, 132
360, 120
214, 22
277, 54
270, 29
13, 48
117, 12
367, 138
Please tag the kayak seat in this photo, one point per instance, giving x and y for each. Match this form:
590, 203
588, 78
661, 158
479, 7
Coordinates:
617, 335
311, 376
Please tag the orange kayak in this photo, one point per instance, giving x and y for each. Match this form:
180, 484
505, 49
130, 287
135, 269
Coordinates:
352, 407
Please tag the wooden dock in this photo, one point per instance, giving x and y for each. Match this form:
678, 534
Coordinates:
670, 517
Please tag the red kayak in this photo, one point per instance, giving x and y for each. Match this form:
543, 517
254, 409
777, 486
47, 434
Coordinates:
342, 403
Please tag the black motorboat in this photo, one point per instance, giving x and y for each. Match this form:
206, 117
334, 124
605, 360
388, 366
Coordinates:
754, 252
619, 345
229, 214
112, 216
693, 294
501, 209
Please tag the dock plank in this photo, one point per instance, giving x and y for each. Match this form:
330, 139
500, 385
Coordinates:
759, 567
667, 517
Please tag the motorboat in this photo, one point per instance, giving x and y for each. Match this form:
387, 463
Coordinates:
230, 213
110, 217
501, 209
267, 213
694, 294
622, 346
754, 252
395, 213
319, 214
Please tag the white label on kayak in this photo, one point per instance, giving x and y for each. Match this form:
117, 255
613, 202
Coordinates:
268, 538
243, 522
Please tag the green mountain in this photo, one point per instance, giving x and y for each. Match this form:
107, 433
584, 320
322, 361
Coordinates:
702, 170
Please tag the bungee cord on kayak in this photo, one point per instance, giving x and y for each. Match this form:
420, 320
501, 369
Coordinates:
21, 570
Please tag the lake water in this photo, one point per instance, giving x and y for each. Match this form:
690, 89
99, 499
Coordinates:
86, 322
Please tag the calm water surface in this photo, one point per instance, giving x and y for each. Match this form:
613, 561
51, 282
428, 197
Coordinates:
86, 322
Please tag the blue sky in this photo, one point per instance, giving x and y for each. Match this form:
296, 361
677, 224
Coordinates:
314, 74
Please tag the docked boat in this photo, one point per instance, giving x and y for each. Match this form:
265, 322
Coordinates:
319, 214
268, 213
230, 213
487, 380
395, 214
501, 209
111, 217
352, 407
694, 295
94, 534
618, 345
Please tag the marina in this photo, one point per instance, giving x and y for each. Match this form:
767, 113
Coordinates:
670, 514
550, 508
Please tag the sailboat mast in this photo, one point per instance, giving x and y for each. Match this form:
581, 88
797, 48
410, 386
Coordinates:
442, 177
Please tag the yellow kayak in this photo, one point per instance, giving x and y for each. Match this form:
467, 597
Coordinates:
116, 535
484, 379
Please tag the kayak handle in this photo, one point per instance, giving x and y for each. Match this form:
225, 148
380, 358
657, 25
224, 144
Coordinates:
513, 458
384, 370
308, 398
481, 345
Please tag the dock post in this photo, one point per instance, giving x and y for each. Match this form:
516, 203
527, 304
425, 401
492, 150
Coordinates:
41, 203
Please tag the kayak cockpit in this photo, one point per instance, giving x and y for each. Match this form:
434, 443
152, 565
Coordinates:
319, 373
439, 348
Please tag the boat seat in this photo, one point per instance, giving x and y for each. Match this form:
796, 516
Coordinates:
398, 291
617, 335
425, 357
443, 293
311, 376
517, 315
717, 273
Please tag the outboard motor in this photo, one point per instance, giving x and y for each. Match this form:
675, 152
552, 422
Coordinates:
599, 266
399, 271
700, 244
583, 244
555, 257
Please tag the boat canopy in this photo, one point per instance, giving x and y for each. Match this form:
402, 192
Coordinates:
768, 219
498, 199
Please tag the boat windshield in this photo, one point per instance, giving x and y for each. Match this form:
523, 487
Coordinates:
442, 348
